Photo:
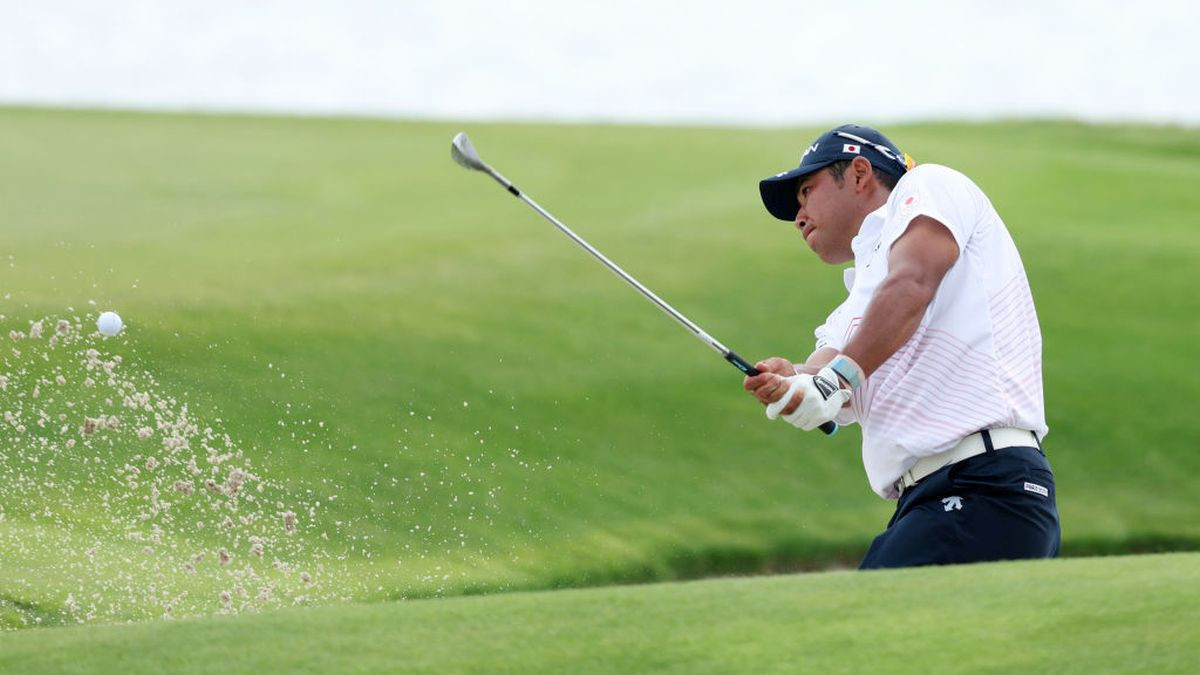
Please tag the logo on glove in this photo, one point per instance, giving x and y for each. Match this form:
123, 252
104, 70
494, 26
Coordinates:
821, 399
824, 386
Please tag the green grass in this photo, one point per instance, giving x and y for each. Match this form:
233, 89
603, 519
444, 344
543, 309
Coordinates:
478, 406
1130, 615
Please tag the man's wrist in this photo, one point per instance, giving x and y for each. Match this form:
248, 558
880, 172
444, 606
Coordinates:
847, 369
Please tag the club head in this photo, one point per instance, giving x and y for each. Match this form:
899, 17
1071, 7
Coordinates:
464, 153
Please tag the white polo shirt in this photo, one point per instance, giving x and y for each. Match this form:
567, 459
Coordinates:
974, 362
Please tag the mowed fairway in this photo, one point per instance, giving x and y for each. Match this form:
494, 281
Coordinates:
455, 399
1129, 614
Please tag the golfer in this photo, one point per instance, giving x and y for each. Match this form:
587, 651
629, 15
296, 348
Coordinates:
935, 353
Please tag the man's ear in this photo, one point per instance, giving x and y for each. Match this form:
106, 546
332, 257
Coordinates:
862, 171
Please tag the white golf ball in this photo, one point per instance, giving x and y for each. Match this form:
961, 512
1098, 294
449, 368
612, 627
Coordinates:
109, 324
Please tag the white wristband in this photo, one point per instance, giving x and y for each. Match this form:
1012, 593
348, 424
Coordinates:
848, 370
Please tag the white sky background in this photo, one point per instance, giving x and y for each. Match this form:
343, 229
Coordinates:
756, 62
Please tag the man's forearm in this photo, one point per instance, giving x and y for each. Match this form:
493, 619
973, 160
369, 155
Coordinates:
818, 360
917, 262
891, 318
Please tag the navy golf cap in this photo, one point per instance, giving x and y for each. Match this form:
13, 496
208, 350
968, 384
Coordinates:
845, 142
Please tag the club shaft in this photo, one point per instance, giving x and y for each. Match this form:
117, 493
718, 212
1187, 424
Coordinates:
829, 428
616, 269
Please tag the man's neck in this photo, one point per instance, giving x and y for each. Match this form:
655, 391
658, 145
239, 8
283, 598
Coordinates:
871, 204
878, 198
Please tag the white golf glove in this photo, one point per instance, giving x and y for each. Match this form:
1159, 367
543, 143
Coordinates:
823, 399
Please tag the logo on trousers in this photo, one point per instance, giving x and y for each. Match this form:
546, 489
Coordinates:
952, 503
1037, 489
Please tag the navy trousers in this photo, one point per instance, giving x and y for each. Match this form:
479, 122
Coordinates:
995, 506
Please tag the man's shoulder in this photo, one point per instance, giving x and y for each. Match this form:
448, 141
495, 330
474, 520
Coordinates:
933, 174
942, 193
926, 185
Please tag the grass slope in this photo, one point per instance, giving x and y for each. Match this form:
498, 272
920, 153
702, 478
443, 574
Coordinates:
1129, 614
478, 406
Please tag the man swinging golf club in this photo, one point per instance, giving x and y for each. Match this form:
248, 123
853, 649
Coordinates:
935, 353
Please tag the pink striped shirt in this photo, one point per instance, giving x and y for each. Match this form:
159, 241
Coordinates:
974, 362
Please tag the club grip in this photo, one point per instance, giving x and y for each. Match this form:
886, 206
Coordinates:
830, 428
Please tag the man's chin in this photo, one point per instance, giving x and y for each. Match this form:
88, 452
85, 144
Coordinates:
832, 258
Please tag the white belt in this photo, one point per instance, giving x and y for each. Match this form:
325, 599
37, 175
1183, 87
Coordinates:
1004, 437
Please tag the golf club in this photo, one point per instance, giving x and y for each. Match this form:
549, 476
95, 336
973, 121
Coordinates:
464, 153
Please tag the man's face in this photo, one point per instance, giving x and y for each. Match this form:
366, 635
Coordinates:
829, 215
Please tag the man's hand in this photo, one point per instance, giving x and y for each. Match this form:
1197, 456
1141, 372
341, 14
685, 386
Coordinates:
805, 396
770, 383
814, 400
777, 365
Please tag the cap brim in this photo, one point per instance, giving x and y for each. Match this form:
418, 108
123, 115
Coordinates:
779, 192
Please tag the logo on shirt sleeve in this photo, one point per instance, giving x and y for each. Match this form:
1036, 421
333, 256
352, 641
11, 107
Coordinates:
910, 203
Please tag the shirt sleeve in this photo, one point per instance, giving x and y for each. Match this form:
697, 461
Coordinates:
829, 334
936, 191
825, 333
822, 333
